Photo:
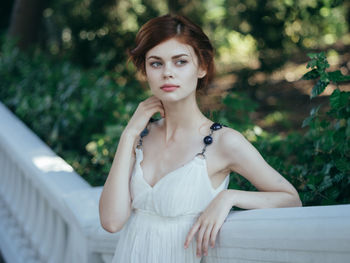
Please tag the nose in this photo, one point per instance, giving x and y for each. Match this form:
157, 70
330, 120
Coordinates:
168, 73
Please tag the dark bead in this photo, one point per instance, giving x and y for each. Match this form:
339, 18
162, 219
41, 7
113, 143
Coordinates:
144, 132
208, 140
215, 126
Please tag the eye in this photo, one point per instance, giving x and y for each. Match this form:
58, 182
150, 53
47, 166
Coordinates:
181, 62
155, 64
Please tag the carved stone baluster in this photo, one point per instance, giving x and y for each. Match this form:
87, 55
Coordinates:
31, 210
8, 190
17, 193
59, 240
39, 228
4, 172
25, 201
48, 232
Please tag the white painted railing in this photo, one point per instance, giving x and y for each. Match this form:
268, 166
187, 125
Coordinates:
48, 213
41, 217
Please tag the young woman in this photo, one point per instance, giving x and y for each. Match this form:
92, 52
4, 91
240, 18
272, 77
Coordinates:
167, 191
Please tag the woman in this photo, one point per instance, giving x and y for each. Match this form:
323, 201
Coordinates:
167, 191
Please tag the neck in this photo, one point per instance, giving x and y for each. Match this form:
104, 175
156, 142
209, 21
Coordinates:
182, 117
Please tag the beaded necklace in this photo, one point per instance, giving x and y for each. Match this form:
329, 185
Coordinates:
207, 139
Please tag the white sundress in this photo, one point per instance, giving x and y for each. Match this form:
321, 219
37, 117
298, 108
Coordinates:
163, 215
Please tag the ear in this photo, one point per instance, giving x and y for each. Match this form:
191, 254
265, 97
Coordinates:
201, 73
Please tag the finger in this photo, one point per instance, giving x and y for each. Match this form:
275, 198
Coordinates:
152, 98
154, 104
206, 238
161, 110
200, 239
190, 235
153, 108
213, 235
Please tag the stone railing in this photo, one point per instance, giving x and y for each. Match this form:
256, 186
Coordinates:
48, 213
41, 216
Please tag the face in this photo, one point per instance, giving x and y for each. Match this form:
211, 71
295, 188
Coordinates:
172, 70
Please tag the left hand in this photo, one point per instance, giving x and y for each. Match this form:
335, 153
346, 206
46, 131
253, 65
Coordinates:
209, 223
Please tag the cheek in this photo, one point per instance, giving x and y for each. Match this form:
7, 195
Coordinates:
151, 75
190, 76
153, 80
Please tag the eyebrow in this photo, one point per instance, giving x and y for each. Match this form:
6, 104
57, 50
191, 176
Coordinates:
177, 56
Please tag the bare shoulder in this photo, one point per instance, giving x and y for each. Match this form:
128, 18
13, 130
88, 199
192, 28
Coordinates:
230, 140
232, 145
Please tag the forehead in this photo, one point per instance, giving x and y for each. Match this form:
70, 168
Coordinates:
170, 48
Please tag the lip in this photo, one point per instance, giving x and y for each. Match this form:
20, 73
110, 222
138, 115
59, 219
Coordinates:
169, 87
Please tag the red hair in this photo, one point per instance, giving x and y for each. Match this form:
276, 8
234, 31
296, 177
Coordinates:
163, 28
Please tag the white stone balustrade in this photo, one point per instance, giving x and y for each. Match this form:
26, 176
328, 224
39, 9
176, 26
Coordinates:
48, 213
40, 220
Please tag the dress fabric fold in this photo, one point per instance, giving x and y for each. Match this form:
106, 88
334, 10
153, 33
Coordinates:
163, 215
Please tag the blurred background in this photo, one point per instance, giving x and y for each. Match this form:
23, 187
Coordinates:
64, 72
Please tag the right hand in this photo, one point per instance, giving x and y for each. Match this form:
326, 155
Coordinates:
145, 110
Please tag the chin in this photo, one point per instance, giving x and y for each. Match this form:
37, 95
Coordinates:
171, 96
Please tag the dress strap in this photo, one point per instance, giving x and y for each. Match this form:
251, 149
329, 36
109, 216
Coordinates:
145, 132
208, 139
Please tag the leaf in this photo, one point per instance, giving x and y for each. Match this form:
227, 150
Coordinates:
307, 121
311, 64
313, 74
322, 63
311, 187
324, 77
315, 110
339, 99
326, 168
332, 193
337, 76
338, 177
342, 165
347, 131
326, 183
318, 88
321, 56
334, 99
312, 55
313, 114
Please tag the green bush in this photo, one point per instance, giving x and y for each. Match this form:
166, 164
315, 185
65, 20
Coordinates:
67, 107
316, 162
81, 114
328, 137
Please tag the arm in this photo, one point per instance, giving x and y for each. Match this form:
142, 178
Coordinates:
243, 158
115, 201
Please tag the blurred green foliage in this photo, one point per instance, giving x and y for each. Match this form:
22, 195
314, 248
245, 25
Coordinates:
316, 162
77, 93
280, 28
318, 65
257, 35
79, 113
